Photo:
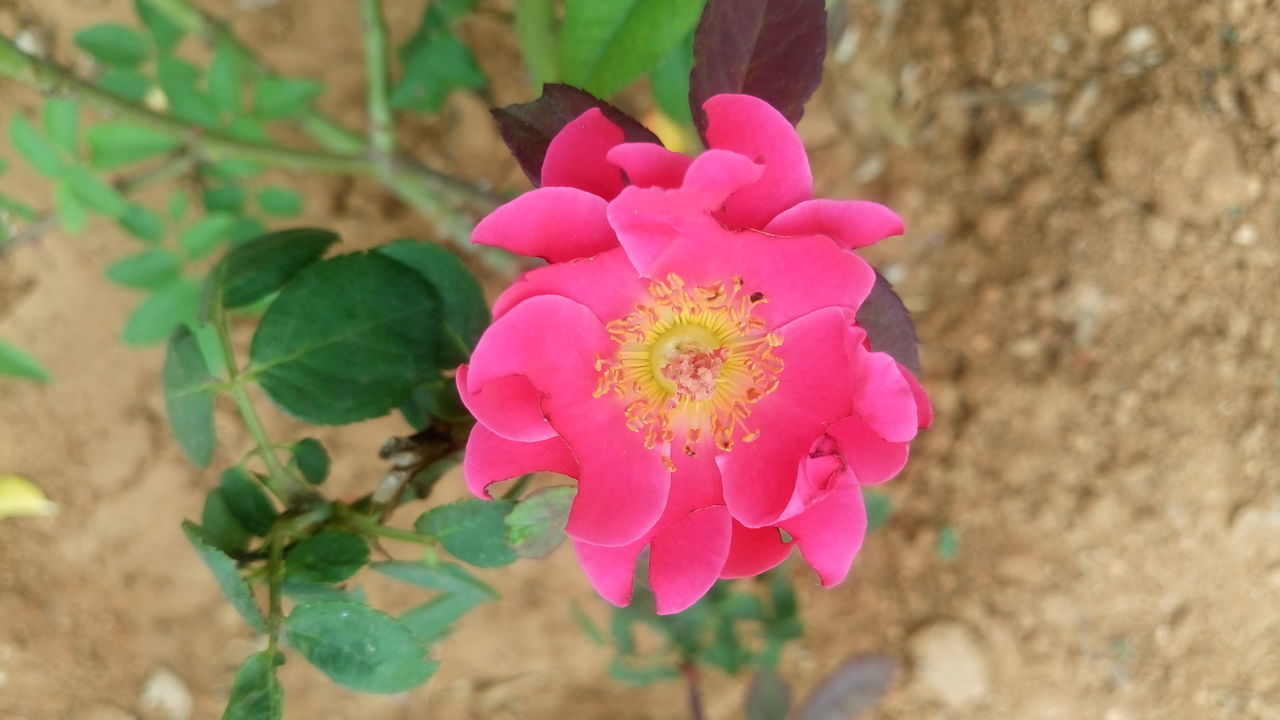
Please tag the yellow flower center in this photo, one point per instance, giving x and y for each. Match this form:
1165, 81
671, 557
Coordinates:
690, 363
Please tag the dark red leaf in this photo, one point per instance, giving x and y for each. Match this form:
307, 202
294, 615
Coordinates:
854, 688
771, 49
528, 128
888, 325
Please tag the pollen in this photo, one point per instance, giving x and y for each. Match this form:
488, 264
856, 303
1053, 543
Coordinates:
690, 363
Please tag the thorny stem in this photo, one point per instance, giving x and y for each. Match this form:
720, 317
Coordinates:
381, 123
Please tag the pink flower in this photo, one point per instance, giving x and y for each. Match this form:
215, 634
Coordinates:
691, 356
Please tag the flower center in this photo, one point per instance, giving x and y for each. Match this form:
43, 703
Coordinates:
690, 363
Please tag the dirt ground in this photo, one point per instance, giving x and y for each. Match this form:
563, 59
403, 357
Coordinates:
1092, 200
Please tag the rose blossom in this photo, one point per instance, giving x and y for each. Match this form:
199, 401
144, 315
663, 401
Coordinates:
690, 356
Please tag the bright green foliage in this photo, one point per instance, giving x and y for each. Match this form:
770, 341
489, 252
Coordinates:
18, 363
114, 44
262, 266
227, 198
221, 527
670, 81
72, 213
94, 193
164, 33
535, 527
62, 122
471, 530
458, 592
227, 575
434, 62
256, 692
328, 557
280, 202
277, 98
188, 397
180, 82
465, 312
128, 84
204, 237
226, 80
248, 504
158, 315
348, 339
312, 460
120, 143
142, 223
536, 29
358, 647
146, 270
34, 146
606, 45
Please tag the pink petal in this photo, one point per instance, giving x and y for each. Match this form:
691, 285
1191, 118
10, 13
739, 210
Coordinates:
751, 127
814, 390
820, 473
685, 559
883, 398
794, 276
611, 570
650, 164
852, 223
491, 458
553, 223
872, 459
715, 175
576, 156
753, 551
606, 283
924, 408
510, 406
830, 533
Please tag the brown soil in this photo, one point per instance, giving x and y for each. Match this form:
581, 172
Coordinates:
1093, 204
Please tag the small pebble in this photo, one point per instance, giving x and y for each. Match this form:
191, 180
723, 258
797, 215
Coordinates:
1104, 20
950, 664
1139, 40
165, 697
1245, 235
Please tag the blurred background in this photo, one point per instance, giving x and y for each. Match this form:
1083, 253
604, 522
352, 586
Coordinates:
1090, 530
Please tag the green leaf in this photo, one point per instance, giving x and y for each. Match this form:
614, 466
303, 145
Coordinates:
305, 591
536, 30
434, 63
188, 399
225, 80
246, 228
256, 692
120, 143
164, 32
147, 270
327, 557
445, 577
280, 202
128, 84
606, 45
142, 223
178, 79
879, 508
277, 97
227, 575
243, 127
636, 674
357, 322
178, 205
204, 237
948, 543
227, 198
471, 530
247, 501
358, 647
587, 625
158, 315
670, 82
535, 527
768, 698
62, 123
465, 313
37, 149
71, 211
96, 194
312, 460
114, 44
17, 363
257, 268
221, 527
433, 620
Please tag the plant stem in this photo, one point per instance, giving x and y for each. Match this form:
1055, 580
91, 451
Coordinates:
275, 611
363, 523
381, 124
690, 672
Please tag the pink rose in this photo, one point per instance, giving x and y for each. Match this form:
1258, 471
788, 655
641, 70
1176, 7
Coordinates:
691, 356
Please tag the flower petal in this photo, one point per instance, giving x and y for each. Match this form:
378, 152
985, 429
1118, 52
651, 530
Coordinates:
510, 406
852, 223
830, 533
606, 283
883, 397
924, 408
576, 156
686, 559
650, 164
491, 458
553, 223
872, 459
814, 390
753, 551
611, 570
752, 127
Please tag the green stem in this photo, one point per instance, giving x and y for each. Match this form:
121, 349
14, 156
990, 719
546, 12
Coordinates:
381, 123
363, 523
517, 487
275, 568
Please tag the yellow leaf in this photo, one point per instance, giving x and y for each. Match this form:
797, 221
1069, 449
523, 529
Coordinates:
20, 497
